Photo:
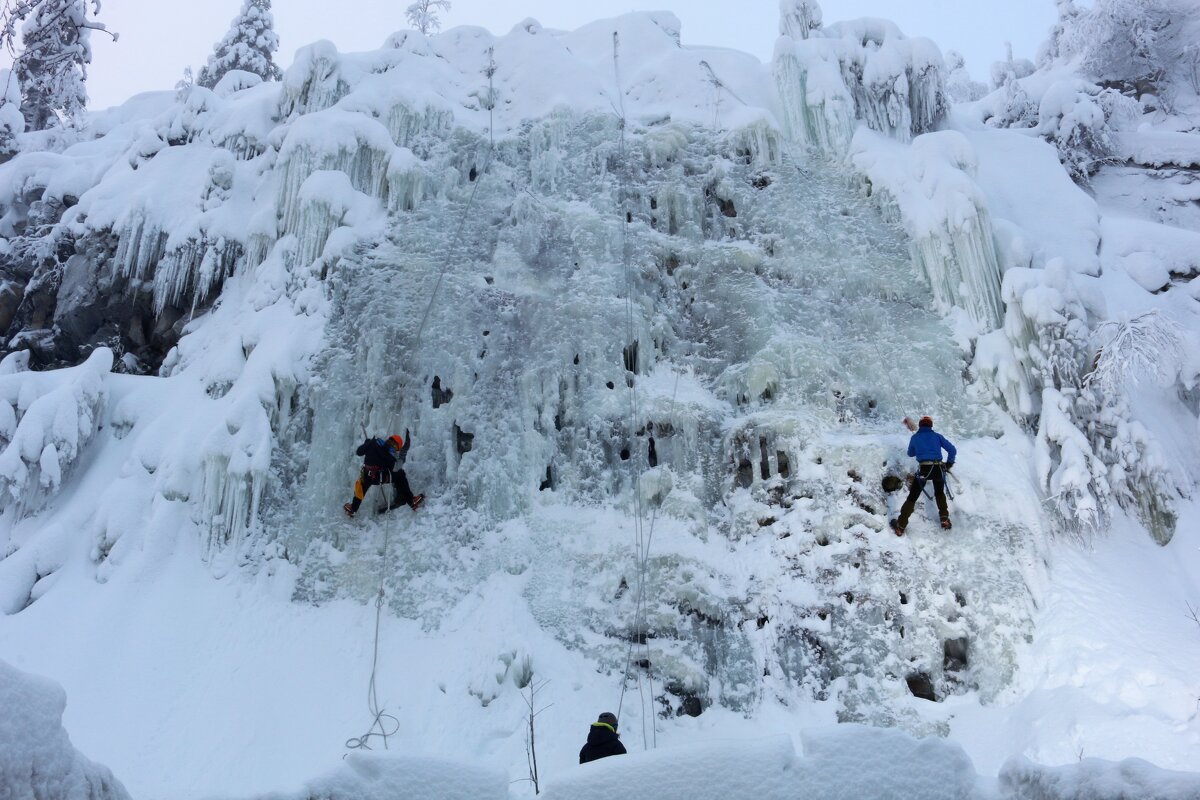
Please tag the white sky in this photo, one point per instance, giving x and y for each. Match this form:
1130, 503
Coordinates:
161, 37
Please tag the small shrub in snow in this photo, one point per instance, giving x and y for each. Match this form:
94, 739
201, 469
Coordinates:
249, 46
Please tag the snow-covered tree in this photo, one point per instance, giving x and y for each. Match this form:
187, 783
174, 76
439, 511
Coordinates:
1090, 452
1010, 69
1068, 19
960, 86
12, 123
52, 68
1140, 47
423, 15
798, 18
249, 45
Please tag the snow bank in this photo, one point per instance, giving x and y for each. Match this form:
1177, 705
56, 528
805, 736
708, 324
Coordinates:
1154, 148
850, 762
1149, 252
384, 777
1026, 186
764, 769
1093, 779
37, 760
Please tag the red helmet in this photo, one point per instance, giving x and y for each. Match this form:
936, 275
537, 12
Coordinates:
926, 422
395, 441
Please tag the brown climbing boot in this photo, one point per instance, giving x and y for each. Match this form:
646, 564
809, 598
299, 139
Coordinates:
416, 502
349, 509
946, 524
896, 529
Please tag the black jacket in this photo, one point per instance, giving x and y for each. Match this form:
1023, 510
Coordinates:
375, 453
602, 742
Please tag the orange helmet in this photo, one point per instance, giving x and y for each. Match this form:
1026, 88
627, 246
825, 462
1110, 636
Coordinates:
396, 442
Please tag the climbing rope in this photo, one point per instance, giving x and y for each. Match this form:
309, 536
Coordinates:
383, 724
641, 539
452, 250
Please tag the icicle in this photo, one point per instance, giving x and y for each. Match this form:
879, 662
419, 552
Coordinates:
312, 83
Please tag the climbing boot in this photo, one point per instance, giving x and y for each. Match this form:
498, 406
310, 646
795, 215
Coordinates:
896, 529
349, 509
946, 524
416, 502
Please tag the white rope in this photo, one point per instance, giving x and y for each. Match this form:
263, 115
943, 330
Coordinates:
383, 724
641, 542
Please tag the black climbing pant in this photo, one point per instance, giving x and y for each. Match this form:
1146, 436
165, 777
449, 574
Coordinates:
376, 476
927, 472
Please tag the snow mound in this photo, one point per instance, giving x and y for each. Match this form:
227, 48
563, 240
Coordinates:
763, 769
382, 777
1093, 779
851, 762
37, 760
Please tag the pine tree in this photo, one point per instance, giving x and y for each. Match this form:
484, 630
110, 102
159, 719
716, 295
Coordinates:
249, 45
423, 15
52, 68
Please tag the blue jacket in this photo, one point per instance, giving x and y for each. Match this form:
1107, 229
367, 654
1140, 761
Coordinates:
927, 445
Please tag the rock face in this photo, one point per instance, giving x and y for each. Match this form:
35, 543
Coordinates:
37, 760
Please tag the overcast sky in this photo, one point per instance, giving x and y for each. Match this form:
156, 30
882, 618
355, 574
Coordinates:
161, 37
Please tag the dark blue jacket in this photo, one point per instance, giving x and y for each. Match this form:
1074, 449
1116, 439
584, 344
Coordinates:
927, 445
602, 742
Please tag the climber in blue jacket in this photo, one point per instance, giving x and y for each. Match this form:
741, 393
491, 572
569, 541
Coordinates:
926, 445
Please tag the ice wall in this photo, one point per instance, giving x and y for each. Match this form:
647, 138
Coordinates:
594, 296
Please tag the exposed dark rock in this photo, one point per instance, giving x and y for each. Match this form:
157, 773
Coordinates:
955, 653
919, 685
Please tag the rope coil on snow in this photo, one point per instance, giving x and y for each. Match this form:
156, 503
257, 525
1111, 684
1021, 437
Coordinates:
386, 724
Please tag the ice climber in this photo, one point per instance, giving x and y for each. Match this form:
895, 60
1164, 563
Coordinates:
926, 445
603, 740
381, 459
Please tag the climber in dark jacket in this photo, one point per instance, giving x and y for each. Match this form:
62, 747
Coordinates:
380, 457
926, 445
603, 740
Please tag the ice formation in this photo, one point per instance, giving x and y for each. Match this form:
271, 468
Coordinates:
866, 70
